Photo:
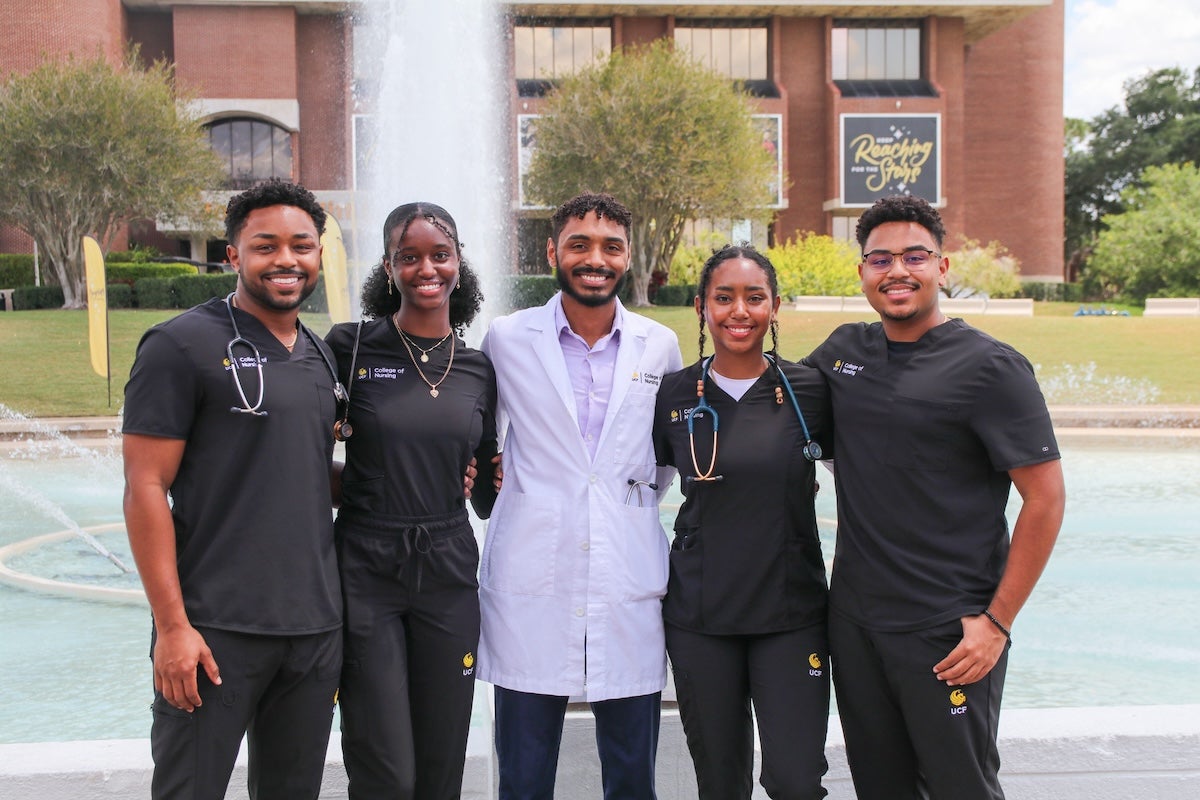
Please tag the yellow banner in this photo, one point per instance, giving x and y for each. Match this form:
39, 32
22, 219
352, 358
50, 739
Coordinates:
333, 260
97, 305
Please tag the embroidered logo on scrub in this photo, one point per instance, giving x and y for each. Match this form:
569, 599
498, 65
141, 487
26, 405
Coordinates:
814, 665
846, 368
378, 373
958, 702
648, 378
468, 663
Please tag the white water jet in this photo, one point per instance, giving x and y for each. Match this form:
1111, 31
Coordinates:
439, 127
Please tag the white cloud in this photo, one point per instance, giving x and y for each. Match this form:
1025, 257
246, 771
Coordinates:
1111, 41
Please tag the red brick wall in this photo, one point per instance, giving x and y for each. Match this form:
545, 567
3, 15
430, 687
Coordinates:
34, 31
323, 48
1014, 140
236, 52
799, 63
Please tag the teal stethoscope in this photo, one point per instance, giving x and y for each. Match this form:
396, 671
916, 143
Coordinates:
811, 450
339, 391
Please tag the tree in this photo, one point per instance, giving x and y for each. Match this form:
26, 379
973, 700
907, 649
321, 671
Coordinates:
1153, 246
1159, 124
86, 147
669, 138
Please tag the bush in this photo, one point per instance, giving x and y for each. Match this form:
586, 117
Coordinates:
16, 269
527, 291
686, 265
154, 293
120, 295
675, 295
976, 270
816, 264
29, 298
317, 302
128, 272
1052, 292
193, 290
138, 255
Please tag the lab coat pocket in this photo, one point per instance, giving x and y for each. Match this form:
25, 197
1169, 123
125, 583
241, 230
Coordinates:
640, 553
632, 443
522, 539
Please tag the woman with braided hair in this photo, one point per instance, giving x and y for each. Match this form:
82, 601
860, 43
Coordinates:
746, 597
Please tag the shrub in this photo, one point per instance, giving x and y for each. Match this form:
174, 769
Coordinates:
154, 293
120, 295
140, 254
527, 291
686, 266
1053, 292
28, 298
128, 272
816, 264
192, 290
675, 295
16, 269
990, 271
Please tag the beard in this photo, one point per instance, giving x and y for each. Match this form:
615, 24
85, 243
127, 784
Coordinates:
593, 300
261, 292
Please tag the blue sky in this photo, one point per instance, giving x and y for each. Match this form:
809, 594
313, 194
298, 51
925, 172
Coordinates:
1111, 41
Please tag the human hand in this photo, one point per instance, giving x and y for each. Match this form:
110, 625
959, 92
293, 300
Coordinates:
498, 471
177, 654
975, 655
469, 478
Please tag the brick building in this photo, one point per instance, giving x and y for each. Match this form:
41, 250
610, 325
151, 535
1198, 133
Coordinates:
959, 101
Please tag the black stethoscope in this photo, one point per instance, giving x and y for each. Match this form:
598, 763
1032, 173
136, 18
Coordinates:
339, 391
811, 450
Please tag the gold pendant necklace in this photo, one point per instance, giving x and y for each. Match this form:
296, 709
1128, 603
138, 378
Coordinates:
433, 387
424, 351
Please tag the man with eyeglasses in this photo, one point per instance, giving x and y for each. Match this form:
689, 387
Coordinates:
934, 422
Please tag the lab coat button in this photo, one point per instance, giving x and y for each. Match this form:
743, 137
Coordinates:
585, 546
579, 612
591, 478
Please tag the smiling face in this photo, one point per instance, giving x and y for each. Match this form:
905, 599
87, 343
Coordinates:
738, 308
907, 300
423, 265
589, 259
277, 256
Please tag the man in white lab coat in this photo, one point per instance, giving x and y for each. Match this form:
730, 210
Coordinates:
575, 563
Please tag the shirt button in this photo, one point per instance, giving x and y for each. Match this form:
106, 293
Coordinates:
591, 395
591, 478
589, 437
579, 612
585, 546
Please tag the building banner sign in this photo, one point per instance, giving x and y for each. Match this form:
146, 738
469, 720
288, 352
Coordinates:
886, 154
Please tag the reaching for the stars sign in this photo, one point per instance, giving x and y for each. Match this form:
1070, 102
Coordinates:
886, 154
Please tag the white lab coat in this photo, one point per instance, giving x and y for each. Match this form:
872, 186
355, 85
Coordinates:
572, 576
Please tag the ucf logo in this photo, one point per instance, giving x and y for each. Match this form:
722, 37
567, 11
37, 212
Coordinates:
958, 702
468, 663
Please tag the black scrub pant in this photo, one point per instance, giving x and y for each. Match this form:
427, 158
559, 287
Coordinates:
412, 629
278, 692
786, 676
909, 736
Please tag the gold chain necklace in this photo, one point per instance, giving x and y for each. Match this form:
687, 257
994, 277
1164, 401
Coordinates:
433, 387
425, 351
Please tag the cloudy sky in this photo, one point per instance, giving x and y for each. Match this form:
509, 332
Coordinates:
1111, 41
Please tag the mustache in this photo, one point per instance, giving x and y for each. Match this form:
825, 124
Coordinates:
910, 284
602, 271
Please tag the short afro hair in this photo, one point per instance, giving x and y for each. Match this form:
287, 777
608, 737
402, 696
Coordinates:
264, 194
900, 208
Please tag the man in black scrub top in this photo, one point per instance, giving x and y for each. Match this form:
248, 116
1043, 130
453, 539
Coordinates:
934, 422
229, 412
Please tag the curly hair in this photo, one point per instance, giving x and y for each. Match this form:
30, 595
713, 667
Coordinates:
719, 257
466, 299
605, 205
900, 208
264, 194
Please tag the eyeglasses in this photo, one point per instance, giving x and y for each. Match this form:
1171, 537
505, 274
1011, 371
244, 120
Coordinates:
914, 259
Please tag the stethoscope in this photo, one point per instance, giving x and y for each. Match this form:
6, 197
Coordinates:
811, 450
339, 391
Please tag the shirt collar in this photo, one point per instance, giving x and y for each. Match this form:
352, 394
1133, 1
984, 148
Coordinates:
563, 326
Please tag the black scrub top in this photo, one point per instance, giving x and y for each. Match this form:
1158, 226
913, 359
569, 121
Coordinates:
746, 557
409, 450
251, 499
926, 433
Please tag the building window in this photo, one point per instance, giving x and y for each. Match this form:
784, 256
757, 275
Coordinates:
738, 51
251, 150
547, 51
876, 50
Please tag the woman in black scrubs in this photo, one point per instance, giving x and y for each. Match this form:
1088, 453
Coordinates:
746, 598
421, 406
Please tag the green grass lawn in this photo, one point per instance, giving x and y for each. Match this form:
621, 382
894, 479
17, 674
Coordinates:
44, 368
